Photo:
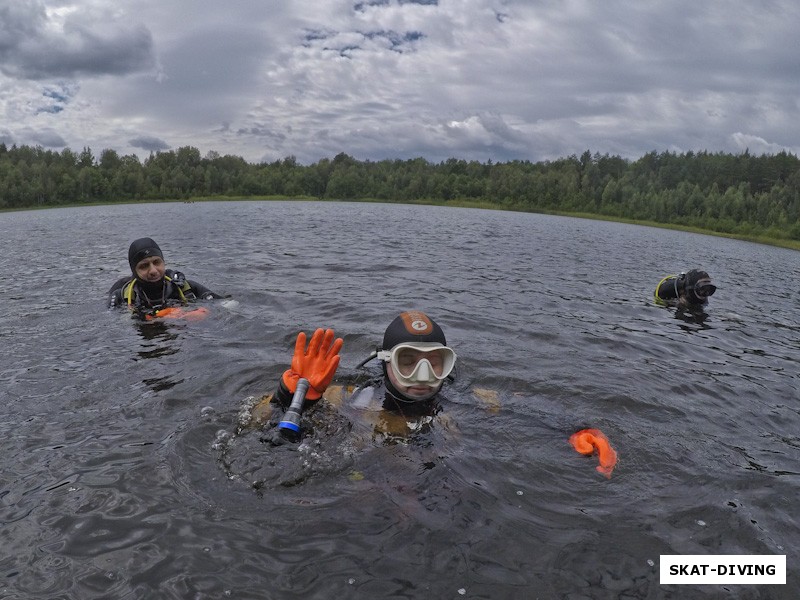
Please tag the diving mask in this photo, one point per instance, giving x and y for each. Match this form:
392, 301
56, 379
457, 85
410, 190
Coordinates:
418, 363
704, 288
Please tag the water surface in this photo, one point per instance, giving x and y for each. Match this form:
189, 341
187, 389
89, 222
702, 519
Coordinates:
121, 477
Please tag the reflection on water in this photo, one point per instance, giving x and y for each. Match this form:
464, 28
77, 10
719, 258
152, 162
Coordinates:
158, 332
696, 316
160, 340
129, 470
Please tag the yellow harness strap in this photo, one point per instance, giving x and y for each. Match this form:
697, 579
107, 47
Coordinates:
127, 291
659, 300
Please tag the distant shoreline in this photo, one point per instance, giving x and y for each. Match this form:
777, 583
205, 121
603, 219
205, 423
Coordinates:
781, 243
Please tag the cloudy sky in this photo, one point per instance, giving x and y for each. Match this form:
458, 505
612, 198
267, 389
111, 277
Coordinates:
376, 79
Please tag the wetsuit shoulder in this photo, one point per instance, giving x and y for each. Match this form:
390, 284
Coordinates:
119, 284
114, 295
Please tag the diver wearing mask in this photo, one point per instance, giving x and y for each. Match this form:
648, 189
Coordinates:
153, 286
415, 361
415, 358
391, 408
686, 290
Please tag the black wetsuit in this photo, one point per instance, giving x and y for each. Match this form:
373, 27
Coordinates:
174, 288
677, 290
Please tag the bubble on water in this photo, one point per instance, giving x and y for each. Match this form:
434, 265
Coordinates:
246, 413
351, 581
462, 591
701, 522
520, 492
650, 562
221, 440
206, 411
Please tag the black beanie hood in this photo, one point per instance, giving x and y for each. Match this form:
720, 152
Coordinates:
140, 249
412, 326
695, 275
690, 285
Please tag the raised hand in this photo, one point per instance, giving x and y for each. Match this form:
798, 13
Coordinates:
317, 363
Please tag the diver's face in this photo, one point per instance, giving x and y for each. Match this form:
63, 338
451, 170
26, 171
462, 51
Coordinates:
416, 391
151, 269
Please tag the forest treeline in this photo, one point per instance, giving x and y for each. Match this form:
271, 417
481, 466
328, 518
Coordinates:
739, 194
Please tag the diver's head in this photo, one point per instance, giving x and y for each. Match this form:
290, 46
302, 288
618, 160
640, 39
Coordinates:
698, 286
415, 356
146, 260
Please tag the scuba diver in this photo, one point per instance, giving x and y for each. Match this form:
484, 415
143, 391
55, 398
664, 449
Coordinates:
391, 408
415, 361
689, 290
316, 428
153, 287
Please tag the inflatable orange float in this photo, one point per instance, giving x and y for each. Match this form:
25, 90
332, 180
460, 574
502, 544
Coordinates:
587, 441
178, 312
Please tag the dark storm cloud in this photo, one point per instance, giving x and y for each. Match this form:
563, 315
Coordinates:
208, 75
48, 138
149, 143
474, 79
541, 79
36, 45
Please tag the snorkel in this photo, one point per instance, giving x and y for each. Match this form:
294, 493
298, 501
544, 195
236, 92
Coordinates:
289, 427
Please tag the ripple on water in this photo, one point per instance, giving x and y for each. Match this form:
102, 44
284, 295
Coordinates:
118, 483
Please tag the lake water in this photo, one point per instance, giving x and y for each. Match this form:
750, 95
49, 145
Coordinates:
122, 477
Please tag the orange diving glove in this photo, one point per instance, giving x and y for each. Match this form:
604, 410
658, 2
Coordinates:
317, 363
586, 441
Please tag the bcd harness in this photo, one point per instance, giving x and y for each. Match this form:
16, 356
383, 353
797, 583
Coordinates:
184, 290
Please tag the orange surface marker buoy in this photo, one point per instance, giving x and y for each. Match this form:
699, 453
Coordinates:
177, 312
586, 441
